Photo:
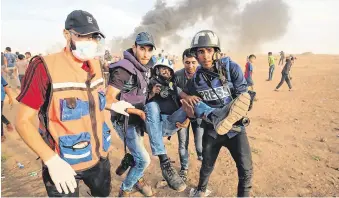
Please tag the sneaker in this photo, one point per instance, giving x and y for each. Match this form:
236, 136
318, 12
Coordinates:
183, 173
224, 118
123, 193
143, 188
197, 193
172, 178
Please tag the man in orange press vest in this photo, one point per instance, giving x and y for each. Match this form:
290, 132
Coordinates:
66, 90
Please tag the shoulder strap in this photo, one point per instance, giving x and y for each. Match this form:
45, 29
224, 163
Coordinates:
125, 128
125, 64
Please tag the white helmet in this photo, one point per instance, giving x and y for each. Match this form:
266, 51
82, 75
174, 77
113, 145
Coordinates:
164, 62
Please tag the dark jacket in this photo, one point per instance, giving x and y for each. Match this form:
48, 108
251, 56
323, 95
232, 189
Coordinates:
134, 95
168, 99
181, 78
287, 67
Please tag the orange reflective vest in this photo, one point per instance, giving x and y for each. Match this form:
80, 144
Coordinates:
73, 123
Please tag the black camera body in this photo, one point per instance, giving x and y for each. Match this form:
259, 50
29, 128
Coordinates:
126, 162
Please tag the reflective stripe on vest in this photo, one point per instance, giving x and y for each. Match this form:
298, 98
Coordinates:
76, 84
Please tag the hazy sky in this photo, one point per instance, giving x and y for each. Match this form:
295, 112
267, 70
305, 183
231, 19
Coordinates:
36, 25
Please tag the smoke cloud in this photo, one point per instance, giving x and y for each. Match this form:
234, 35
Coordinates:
259, 22
262, 21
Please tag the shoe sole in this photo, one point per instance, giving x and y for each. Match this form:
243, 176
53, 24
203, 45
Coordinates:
239, 109
180, 189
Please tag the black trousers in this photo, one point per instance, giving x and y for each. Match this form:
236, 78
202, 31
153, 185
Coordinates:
241, 153
284, 77
98, 180
4, 120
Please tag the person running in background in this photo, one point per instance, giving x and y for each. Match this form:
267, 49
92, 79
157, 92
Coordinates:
285, 75
271, 64
9, 65
3, 64
4, 120
21, 65
282, 58
249, 71
108, 57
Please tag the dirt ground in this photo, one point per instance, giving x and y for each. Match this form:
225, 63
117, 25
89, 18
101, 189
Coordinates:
294, 137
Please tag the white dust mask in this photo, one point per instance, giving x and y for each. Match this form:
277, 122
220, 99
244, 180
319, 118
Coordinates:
85, 50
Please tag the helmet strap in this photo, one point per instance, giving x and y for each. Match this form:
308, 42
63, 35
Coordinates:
157, 71
216, 55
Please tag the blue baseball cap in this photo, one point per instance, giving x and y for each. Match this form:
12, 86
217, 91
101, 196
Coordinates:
145, 38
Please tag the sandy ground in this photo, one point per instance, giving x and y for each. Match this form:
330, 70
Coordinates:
294, 138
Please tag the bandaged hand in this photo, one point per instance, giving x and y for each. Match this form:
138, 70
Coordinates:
121, 106
62, 174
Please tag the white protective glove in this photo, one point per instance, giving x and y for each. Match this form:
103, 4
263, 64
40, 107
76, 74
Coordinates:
121, 106
62, 174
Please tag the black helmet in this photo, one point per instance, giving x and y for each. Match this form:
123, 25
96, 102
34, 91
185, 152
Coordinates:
205, 38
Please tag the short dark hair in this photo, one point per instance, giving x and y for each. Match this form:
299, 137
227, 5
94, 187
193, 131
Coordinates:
21, 56
252, 56
188, 53
28, 53
269, 53
8, 49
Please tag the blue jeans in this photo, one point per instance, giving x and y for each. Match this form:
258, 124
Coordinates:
183, 136
135, 144
159, 125
270, 72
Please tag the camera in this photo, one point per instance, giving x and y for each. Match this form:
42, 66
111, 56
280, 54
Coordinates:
126, 162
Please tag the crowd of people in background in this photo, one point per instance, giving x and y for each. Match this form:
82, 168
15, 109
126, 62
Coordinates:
14, 66
13, 69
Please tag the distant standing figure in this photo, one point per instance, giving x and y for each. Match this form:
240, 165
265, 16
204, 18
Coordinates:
282, 58
271, 64
285, 75
21, 65
249, 71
